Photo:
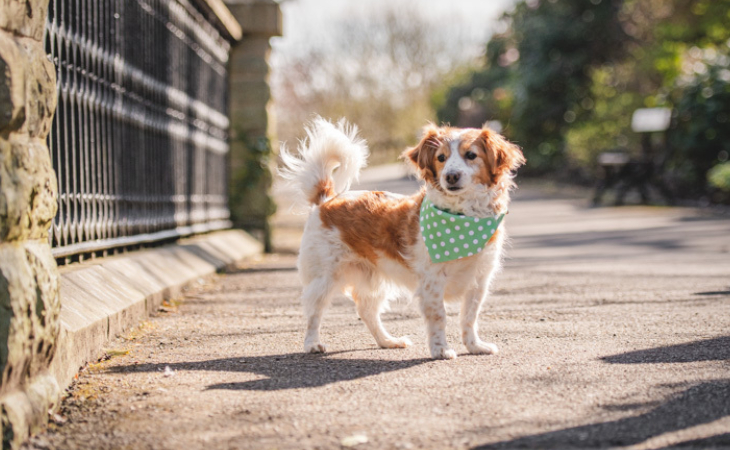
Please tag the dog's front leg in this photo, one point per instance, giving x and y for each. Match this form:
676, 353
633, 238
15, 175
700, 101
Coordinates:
431, 299
469, 328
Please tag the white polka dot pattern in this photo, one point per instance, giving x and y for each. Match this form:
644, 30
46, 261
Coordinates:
479, 231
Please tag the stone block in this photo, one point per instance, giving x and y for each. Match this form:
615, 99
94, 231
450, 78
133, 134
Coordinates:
16, 414
248, 119
12, 84
256, 93
40, 90
106, 294
133, 274
27, 87
252, 46
249, 67
29, 306
29, 326
28, 189
258, 17
26, 18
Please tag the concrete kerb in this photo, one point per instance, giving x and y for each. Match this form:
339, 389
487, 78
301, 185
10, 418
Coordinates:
104, 298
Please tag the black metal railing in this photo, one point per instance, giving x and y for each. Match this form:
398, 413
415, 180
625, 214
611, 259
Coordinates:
140, 138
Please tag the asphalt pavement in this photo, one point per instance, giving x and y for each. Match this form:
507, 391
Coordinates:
613, 326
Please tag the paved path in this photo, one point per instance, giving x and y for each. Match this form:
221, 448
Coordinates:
613, 325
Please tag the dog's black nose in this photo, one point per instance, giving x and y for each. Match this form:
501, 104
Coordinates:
453, 178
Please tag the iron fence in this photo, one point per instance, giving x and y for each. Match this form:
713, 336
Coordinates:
140, 137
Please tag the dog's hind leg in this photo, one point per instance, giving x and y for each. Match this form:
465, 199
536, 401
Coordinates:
369, 308
315, 299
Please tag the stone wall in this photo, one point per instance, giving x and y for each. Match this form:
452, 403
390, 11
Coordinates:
29, 303
29, 280
252, 125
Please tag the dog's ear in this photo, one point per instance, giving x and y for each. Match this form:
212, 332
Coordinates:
503, 156
422, 155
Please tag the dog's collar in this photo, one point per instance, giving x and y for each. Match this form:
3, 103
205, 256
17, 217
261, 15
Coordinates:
451, 236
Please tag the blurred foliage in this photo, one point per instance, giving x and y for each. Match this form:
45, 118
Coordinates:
609, 126
537, 75
719, 177
565, 76
700, 136
380, 72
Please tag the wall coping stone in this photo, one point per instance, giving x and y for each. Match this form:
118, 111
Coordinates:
257, 17
103, 298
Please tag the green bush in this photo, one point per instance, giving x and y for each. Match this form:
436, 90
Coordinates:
537, 74
719, 177
566, 76
700, 136
606, 125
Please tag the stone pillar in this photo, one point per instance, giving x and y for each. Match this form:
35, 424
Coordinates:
252, 124
29, 303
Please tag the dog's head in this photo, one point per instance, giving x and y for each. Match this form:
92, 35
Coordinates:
455, 160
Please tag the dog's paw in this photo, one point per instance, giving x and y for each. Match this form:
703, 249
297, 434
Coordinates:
482, 348
316, 347
443, 353
401, 342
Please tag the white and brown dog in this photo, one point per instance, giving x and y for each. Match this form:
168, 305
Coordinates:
374, 245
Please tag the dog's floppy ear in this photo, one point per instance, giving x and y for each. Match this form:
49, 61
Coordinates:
422, 155
503, 156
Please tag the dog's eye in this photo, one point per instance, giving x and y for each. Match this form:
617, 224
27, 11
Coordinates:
441, 158
470, 155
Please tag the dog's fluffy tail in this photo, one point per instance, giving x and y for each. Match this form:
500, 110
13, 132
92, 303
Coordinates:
330, 159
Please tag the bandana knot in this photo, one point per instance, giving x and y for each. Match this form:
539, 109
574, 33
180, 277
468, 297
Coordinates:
451, 236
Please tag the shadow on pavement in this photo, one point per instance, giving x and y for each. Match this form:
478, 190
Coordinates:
699, 404
713, 293
716, 349
652, 238
290, 371
715, 442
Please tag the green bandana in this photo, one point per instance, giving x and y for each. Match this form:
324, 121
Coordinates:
454, 236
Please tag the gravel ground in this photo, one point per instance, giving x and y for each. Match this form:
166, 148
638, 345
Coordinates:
613, 326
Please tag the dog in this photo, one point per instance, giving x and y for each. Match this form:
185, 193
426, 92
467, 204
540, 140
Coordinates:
442, 244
